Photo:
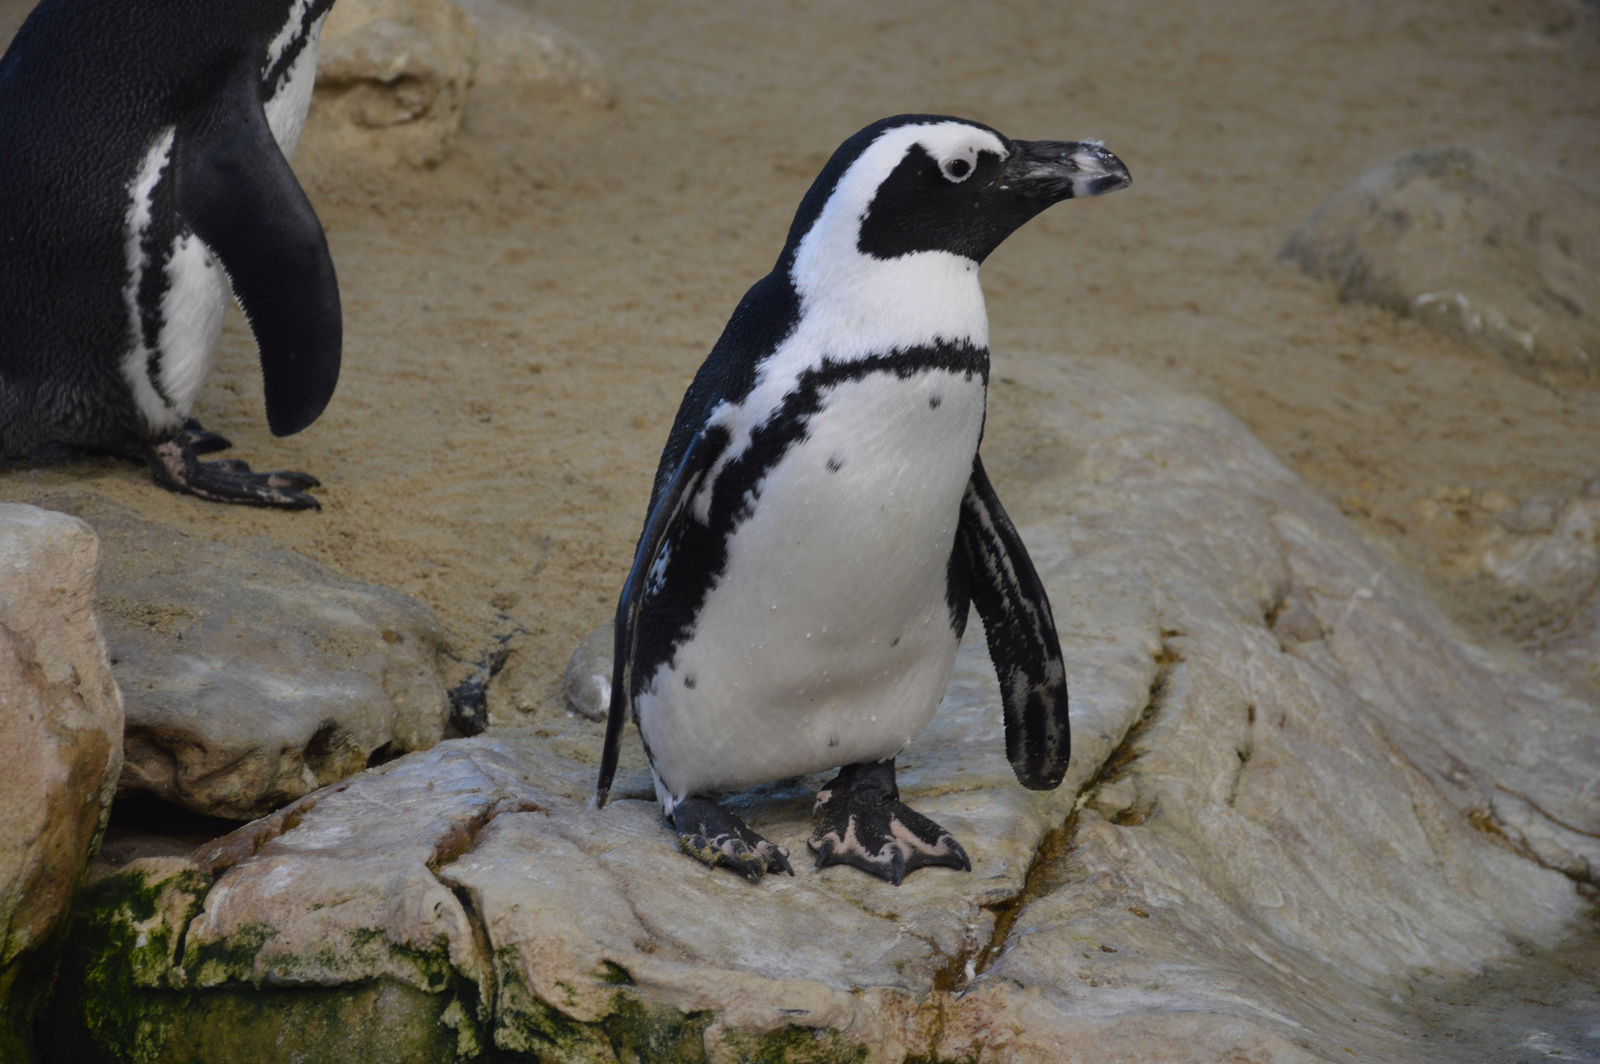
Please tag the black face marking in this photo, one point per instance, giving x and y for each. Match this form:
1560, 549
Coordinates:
699, 553
835, 464
921, 206
917, 208
817, 195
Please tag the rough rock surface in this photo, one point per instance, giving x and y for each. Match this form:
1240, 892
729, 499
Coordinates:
254, 676
60, 744
392, 80
1303, 804
1474, 243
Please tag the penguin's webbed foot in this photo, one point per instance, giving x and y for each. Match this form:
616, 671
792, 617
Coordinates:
866, 826
176, 465
709, 833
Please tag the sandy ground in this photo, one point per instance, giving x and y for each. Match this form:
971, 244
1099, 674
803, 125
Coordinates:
522, 319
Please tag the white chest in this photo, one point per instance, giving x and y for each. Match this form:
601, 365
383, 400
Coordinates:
827, 639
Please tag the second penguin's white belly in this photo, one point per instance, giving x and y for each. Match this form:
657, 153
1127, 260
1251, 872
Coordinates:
827, 640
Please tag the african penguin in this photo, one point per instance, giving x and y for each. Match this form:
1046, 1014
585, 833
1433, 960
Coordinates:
821, 521
143, 150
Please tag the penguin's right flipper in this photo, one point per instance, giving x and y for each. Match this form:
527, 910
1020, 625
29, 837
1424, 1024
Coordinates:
1022, 637
671, 503
176, 465
235, 189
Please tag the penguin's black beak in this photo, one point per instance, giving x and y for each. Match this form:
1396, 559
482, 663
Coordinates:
1054, 170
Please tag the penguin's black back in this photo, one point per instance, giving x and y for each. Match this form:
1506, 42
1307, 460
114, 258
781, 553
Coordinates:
85, 88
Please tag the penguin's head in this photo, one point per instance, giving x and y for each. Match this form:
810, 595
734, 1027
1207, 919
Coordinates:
928, 183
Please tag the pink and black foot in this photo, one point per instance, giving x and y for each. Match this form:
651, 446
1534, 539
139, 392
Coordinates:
707, 832
866, 826
175, 463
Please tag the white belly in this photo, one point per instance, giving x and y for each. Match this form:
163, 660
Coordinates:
827, 641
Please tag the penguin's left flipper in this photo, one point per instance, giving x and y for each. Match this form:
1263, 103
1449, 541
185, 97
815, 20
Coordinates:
667, 508
1022, 636
236, 191
176, 466
707, 832
865, 825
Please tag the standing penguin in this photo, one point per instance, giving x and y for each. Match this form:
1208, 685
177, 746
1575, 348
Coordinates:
143, 150
821, 521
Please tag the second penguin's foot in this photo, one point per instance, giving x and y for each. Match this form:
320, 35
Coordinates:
176, 465
866, 826
707, 832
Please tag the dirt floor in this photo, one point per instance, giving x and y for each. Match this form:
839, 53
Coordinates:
522, 319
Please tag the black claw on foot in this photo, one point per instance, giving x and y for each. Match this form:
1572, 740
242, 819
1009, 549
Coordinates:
866, 826
707, 832
202, 440
177, 467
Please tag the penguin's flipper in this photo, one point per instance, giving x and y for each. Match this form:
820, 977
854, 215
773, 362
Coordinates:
1022, 637
236, 191
176, 465
709, 833
670, 504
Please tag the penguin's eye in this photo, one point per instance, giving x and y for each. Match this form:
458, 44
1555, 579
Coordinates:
957, 169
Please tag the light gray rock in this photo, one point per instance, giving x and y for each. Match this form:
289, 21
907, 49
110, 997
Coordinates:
392, 80
394, 76
525, 54
60, 744
253, 676
1304, 802
1474, 243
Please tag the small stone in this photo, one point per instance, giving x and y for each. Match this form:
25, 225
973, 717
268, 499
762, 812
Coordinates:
1116, 797
1496, 501
587, 681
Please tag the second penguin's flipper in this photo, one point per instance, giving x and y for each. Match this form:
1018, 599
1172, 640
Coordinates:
1022, 637
865, 825
235, 189
707, 832
670, 504
176, 465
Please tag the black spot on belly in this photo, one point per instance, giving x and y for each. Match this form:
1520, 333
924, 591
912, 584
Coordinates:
835, 464
833, 740
689, 681
895, 641
934, 401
